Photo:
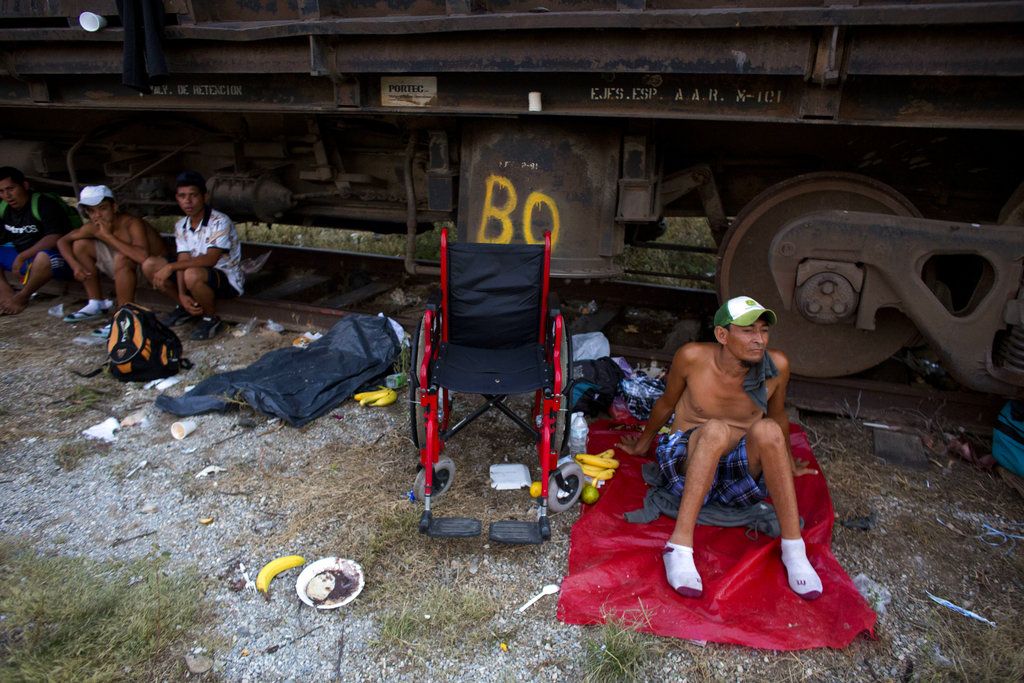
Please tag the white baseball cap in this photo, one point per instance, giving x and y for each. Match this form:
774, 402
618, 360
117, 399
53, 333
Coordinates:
93, 195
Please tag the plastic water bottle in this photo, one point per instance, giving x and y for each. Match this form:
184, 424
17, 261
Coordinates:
578, 431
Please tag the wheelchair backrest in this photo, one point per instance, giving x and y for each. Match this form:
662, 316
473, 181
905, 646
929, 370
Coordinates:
494, 294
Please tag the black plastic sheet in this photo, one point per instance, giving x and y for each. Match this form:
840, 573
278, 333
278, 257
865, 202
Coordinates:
299, 385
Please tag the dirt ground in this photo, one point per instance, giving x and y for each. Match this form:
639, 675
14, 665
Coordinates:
445, 609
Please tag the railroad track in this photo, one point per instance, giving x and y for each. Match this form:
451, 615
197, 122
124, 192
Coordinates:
297, 288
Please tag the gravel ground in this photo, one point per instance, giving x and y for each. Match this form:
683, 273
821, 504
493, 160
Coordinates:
339, 487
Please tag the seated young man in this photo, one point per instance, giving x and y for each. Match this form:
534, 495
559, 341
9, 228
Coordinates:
208, 263
112, 242
731, 440
30, 226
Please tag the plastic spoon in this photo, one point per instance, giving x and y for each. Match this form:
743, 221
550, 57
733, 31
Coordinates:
549, 589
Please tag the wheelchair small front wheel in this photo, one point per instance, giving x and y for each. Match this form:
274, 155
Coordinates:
444, 475
564, 496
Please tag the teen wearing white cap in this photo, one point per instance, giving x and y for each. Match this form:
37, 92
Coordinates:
112, 242
730, 443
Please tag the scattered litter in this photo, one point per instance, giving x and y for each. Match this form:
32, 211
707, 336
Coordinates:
189, 451
503, 646
877, 595
395, 381
866, 523
255, 264
274, 327
512, 476
997, 537
136, 418
179, 430
306, 338
88, 341
941, 659
960, 447
206, 521
56, 311
245, 328
207, 471
877, 425
148, 509
104, 430
330, 583
590, 345
549, 589
961, 610
161, 384
136, 469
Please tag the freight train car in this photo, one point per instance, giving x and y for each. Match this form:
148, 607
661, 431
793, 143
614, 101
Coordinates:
858, 161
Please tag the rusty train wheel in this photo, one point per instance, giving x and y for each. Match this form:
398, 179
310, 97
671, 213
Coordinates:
814, 350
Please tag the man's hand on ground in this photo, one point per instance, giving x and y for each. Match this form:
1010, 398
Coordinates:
191, 305
632, 445
800, 468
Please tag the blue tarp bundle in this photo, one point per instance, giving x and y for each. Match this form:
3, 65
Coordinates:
299, 385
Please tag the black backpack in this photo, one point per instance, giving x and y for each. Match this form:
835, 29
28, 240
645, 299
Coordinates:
595, 383
141, 347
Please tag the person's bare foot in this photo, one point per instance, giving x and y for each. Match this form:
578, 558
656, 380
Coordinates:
16, 305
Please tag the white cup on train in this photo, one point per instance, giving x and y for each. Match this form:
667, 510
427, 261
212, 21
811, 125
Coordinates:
534, 100
91, 22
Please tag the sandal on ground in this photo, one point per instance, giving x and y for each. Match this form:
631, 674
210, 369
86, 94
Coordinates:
83, 316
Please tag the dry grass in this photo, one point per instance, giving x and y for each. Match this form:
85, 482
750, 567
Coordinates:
70, 454
617, 651
440, 618
70, 619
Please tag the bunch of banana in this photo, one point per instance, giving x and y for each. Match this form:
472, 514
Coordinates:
381, 397
599, 466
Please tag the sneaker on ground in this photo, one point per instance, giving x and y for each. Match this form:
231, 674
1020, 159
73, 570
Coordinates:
176, 317
208, 328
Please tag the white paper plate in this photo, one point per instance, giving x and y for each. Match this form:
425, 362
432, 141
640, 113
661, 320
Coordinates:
350, 567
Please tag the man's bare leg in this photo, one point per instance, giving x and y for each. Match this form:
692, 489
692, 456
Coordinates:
125, 279
85, 254
195, 282
38, 276
6, 291
149, 268
767, 453
706, 446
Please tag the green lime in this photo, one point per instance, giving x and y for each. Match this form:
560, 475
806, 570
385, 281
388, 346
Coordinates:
590, 494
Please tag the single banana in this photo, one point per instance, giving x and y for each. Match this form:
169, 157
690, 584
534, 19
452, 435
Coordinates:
596, 461
275, 567
387, 399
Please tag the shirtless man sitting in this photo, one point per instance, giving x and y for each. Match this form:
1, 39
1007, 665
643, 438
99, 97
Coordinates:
112, 242
731, 440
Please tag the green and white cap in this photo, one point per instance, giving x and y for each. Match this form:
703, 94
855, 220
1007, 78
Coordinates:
742, 311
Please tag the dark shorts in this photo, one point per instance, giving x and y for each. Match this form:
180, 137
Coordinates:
732, 485
57, 263
218, 282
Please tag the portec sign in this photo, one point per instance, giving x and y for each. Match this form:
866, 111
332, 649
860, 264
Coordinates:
410, 91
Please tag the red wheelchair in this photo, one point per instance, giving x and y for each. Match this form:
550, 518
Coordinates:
494, 329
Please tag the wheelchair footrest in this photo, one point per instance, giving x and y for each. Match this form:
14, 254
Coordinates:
454, 527
515, 532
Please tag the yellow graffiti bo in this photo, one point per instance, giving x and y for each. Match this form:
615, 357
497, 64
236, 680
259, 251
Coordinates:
503, 214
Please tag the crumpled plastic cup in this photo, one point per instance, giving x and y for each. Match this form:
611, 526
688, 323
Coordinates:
179, 430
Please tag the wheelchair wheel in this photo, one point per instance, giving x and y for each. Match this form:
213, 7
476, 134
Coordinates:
560, 437
417, 421
444, 475
561, 498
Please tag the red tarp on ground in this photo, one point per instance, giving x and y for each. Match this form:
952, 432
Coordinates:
616, 570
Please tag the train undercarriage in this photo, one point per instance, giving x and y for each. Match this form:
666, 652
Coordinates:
858, 172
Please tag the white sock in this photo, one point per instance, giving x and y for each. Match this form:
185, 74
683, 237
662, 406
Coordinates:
680, 570
802, 578
94, 306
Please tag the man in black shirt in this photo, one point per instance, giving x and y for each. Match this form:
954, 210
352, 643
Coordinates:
29, 230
